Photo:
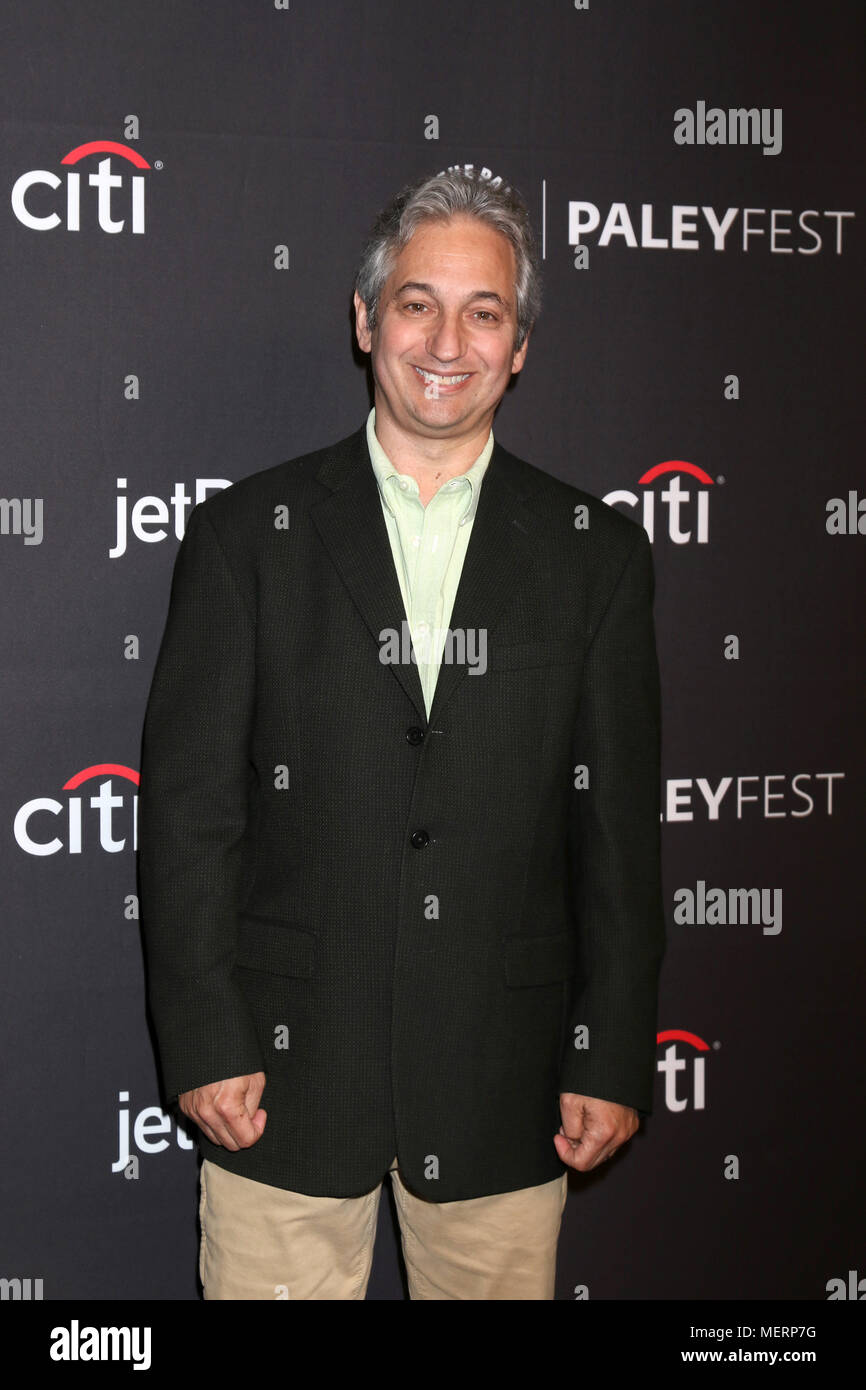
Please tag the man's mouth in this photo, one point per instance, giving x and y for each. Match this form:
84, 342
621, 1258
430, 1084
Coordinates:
441, 380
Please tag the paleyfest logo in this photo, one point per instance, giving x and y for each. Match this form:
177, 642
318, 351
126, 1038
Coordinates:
42, 214
691, 227
687, 507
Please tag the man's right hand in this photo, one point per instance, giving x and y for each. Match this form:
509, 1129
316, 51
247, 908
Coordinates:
228, 1111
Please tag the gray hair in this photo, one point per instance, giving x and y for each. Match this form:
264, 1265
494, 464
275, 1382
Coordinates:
437, 198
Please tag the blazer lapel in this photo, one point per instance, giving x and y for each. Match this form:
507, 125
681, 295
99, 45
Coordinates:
499, 550
352, 527
353, 530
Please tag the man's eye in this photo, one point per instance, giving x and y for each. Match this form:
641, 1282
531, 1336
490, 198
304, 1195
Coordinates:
487, 314
414, 306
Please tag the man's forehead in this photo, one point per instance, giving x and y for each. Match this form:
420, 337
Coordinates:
486, 261
459, 236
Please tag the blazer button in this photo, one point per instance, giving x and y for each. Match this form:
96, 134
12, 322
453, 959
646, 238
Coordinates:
419, 839
414, 735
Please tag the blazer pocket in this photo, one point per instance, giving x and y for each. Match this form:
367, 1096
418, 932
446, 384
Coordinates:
539, 960
275, 946
522, 655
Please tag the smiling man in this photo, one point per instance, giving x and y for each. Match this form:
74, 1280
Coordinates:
402, 908
443, 348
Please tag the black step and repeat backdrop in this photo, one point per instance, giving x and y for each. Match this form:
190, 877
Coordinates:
187, 188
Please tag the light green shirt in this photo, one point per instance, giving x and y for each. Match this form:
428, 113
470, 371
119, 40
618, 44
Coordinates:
429, 546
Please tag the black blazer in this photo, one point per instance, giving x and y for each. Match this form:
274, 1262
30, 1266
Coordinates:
400, 921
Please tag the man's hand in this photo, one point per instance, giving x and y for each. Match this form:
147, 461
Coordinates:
592, 1130
228, 1111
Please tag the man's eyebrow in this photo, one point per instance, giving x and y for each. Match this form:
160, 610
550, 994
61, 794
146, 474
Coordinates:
476, 294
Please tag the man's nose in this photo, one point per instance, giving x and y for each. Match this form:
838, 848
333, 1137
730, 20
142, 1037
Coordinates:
446, 342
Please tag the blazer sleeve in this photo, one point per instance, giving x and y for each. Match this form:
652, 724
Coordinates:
193, 808
615, 850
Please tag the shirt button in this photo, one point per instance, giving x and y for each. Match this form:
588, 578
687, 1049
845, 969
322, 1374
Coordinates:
419, 839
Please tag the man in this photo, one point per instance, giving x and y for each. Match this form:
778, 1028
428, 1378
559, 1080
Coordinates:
400, 810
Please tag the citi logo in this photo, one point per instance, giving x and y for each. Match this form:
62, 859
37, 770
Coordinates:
29, 201
46, 826
672, 1065
686, 509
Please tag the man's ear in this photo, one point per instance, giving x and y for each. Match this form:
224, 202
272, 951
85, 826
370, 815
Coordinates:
362, 332
520, 357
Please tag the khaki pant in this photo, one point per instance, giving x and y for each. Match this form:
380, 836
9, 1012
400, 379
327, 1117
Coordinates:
262, 1242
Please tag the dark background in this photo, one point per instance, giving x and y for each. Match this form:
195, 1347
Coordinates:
267, 127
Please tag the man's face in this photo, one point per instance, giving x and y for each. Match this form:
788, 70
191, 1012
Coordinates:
447, 310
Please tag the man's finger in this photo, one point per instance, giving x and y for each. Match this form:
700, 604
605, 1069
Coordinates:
253, 1098
579, 1154
228, 1112
602, 1156
190, 1111
235, 1123
207, 1131
220, 1130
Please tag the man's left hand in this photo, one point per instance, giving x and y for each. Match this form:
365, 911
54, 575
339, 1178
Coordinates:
592, 1130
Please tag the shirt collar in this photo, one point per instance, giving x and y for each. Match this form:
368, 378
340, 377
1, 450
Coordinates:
384, 469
